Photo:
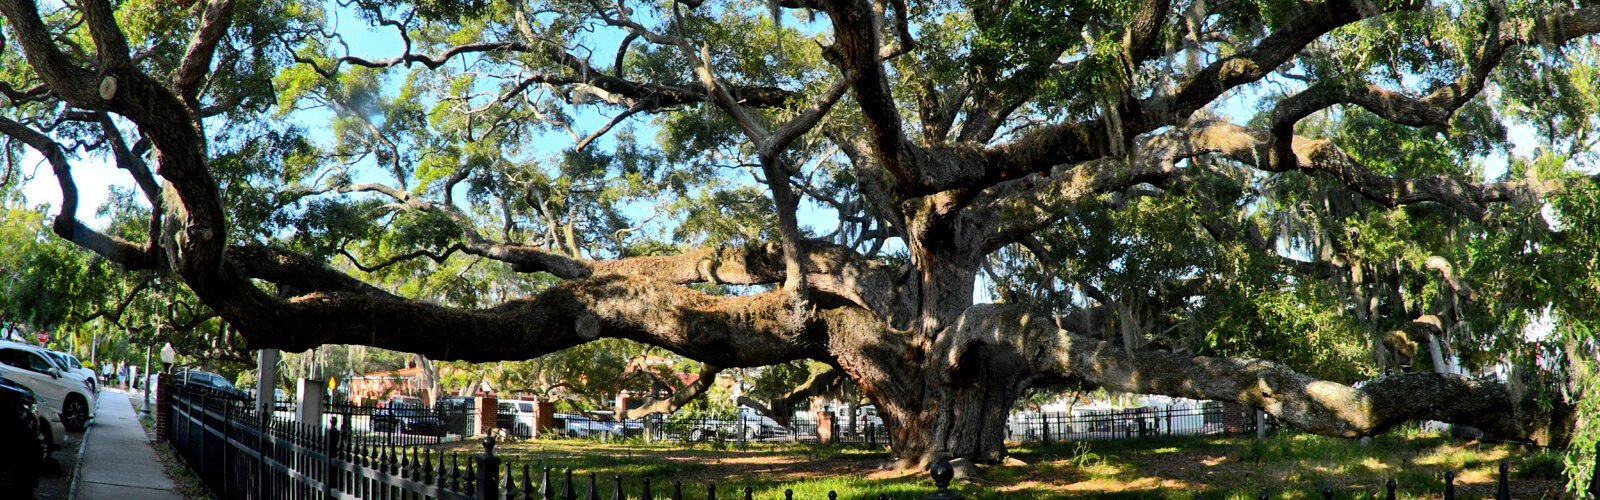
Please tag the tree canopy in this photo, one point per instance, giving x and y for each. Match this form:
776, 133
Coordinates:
1349, 214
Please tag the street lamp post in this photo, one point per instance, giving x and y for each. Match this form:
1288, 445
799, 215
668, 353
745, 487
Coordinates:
167, 353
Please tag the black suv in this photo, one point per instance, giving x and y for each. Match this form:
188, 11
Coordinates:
210, 383
407, 418
19, 430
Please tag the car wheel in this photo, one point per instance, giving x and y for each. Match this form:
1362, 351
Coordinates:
75, 417
49, 439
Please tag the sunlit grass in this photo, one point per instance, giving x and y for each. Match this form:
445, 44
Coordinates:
1289, 466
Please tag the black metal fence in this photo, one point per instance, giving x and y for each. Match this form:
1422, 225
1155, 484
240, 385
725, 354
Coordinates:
239, 453
1036, 427
744, 429
401, 424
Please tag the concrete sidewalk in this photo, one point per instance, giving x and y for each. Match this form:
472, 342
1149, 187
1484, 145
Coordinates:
119, 462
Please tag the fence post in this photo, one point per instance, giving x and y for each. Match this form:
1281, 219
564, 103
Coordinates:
488, 471
942, 472
1044, 421
1503, 490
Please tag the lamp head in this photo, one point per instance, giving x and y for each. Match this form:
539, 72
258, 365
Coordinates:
167, 353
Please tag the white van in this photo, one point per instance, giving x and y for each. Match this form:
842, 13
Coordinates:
70, 397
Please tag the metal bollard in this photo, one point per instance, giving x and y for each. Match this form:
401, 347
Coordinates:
1389, 487
1327, 493
1449, 486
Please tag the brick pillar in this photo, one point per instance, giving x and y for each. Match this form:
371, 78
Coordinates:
827, 429
544, 417
1234, 417
487, 408
163, 407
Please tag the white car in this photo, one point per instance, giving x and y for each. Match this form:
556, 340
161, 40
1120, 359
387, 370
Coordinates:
70, 364
516, 417
69, 397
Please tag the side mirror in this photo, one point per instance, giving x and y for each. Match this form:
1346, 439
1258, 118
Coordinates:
55, 373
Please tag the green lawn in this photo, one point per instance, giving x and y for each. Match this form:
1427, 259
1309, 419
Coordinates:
1289, 466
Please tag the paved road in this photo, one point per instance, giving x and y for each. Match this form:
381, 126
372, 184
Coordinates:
56, 480
119, 461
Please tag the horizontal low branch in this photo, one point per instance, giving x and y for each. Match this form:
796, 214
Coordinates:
1305, 402
335, 309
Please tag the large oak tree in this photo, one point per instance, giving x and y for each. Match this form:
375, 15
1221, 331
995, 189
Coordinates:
1159, 193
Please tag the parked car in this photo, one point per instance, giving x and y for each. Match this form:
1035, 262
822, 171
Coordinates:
583, 426
70, 399
406, 418
748, 424
516, 417
21, 436
70, 364
403, 400
629, 428
753, 425
211, 382
867, 418
457, 412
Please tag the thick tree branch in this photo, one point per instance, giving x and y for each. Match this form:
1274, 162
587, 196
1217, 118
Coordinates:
197, 57
1045, 148
1011, 209
64, 77
1139, 39
438, 257
1437, 106
1306, 25
728, 331
66, 224
679, 398
112, 45
1313, 405
781, 409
